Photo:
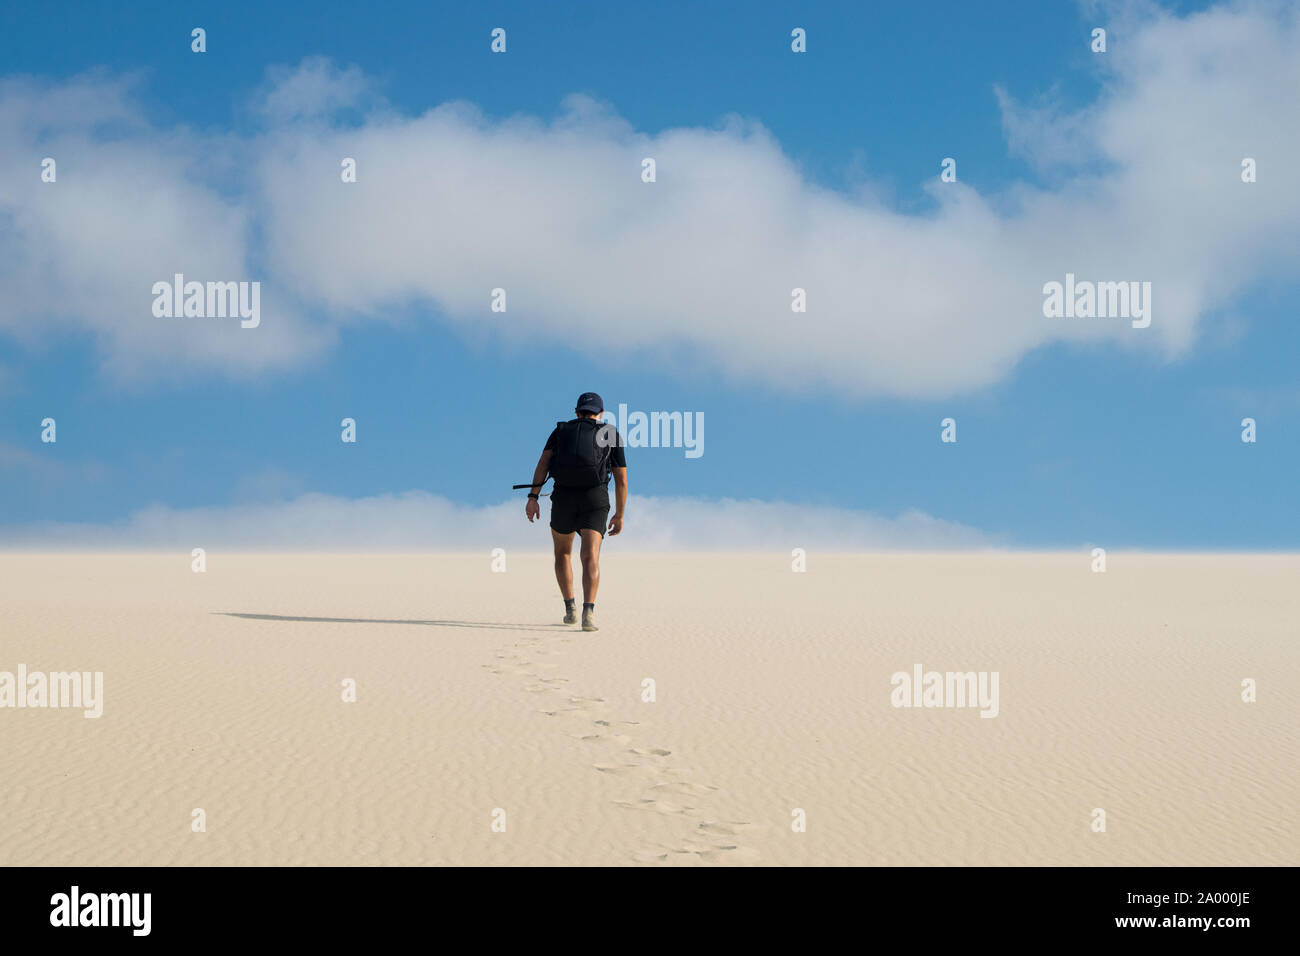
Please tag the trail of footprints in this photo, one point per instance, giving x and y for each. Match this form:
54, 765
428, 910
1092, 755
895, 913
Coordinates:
655, 785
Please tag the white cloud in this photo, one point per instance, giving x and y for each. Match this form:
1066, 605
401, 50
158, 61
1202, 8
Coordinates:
131, 206
420, 521
315, 88
450, 205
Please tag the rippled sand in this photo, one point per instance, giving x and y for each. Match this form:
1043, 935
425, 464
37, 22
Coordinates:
772, 695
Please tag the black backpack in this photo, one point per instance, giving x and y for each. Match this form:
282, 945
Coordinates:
581, 458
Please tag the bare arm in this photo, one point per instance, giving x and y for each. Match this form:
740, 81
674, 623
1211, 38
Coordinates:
620, 500
532, 510
539, 473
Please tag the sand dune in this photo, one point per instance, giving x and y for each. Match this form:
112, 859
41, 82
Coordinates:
222, 691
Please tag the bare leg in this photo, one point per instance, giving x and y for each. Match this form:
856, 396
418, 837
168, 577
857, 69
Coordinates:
590, 564
563, 569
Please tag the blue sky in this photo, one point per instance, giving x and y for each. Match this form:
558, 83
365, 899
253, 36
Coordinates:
1066, 443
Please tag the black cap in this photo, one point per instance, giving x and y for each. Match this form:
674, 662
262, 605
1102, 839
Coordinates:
590, 402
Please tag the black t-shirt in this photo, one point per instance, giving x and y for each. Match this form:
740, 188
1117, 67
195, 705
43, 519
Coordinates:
617, 457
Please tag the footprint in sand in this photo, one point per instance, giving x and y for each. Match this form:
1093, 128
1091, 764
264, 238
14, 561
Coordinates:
683, 789
729, 854
704, 839
727, 829
695, 854
619, 739
627, 770
580, 713
697, 849
656, 806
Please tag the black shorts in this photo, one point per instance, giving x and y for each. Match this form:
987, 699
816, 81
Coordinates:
573, 509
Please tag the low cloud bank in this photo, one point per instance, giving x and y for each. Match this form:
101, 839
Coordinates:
420, 521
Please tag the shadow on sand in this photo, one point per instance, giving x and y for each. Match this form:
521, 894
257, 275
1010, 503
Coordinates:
375, 620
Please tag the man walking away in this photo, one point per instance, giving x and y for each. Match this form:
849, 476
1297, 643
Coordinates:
581, 455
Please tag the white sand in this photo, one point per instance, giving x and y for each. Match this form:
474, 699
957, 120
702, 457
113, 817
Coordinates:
1119, 691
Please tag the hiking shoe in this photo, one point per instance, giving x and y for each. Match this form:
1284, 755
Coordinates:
570, 615
589, 620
